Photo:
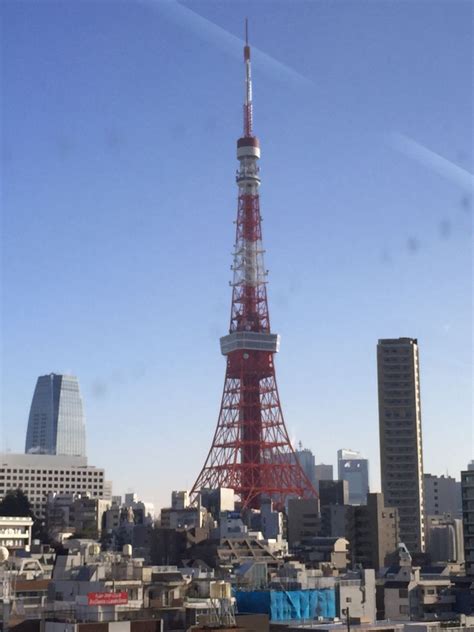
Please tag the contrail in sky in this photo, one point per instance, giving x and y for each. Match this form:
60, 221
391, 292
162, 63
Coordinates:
431, 159
225, 41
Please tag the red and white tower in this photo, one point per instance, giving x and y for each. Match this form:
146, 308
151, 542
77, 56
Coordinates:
251, 451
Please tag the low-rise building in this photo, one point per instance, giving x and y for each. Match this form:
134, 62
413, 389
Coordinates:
417, 598
357, 595
324, 553
15, 533
412, 593
185, 518
80, 515
355, 590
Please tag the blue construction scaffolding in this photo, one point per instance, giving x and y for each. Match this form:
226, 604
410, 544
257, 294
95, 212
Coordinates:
287, 605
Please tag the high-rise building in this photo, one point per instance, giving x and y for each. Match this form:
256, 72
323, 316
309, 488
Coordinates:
306, 460
467, 486
56, 422
354, 469
324, 472
333, 493
442, 496
401, 454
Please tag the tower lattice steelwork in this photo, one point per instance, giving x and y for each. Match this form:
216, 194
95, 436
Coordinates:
251, 451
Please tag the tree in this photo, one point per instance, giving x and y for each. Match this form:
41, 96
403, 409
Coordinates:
16, 503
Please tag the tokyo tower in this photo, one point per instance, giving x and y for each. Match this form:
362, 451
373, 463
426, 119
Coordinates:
251, 451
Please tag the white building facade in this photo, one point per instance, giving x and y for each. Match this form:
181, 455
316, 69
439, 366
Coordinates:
39, 475
15, 533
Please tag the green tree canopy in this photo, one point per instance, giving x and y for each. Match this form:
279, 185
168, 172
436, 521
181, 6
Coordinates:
16, 503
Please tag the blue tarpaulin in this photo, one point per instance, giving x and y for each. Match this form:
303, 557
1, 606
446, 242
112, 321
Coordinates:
285, 605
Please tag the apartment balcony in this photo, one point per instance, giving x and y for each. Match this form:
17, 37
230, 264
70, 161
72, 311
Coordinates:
430, 600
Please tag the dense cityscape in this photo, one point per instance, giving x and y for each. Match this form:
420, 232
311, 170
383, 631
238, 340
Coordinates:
266, 539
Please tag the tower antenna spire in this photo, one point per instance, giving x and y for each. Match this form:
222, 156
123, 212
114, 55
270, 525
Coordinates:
248, 111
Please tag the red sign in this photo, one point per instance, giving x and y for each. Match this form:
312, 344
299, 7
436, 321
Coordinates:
107, 599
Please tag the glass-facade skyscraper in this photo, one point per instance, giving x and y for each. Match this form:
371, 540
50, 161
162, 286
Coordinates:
56, 423
354, 469
307, 463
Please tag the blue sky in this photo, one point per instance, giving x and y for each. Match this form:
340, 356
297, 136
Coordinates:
119, 123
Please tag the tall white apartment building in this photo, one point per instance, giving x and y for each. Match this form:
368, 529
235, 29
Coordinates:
401, 450
467, 484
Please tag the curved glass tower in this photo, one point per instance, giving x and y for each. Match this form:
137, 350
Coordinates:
56, 422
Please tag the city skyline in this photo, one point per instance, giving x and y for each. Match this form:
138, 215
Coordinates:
341, 453
402, 271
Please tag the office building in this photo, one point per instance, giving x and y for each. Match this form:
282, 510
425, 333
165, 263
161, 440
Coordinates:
56, 422
336, 521
179, 499
374, 533
303, 520
307, 463
467, 486
333, 493
401, 453
323, 472
442, 496
81, 515
216, 501
182, 514
354, 469
39, 475
444, 539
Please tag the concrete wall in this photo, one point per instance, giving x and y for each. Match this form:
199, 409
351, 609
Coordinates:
359, 597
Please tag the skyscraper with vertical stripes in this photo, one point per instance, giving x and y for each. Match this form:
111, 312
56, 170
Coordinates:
56, 423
